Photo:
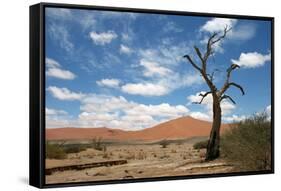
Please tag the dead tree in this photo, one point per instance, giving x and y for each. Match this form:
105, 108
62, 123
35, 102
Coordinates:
218, 95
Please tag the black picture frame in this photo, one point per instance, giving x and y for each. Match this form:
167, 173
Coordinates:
37, 93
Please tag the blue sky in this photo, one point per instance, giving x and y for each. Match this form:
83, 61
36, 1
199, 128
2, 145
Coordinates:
126, 70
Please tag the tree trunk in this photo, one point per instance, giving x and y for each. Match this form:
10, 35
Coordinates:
213, 148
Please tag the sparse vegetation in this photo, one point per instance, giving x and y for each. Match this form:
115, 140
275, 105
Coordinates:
201, 145
98, 145
105, 155
74, 148
55, 151
164, 143
248, 143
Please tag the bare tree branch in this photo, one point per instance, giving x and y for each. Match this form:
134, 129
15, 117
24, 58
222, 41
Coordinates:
226, 83
209, 46
192, 63
199, 55
238, 86
213, 41
225, 31
203, 97
227, 97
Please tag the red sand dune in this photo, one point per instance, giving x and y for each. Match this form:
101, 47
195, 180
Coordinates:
184, 127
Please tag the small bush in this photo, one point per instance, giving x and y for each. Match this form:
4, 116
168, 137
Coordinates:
54, 151
248, 143
201, 145
74, 148
164, 143
98, 145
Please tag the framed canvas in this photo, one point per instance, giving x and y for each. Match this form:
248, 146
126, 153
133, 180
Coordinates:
127, 95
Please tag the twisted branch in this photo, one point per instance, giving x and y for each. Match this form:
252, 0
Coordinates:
227, 97
203, 97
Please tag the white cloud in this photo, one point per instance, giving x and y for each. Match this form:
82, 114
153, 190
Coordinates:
252, 59
234, 118
103, 103
104, 117
238, 32
153, 68
144, 89
268, 110
60, 35
163, 110
50, 111
103, 38
201, 116
218, 25
64, 93
158, 64
51, 63
59, 73
117, 112
53, 122
176, 80
112, 83
125, 49
161, 85
54, 70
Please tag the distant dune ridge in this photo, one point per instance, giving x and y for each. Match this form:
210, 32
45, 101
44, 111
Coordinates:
183, 127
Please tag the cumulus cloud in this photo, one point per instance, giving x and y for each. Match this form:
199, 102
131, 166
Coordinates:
238, 32
218, 25
112, 83
60, 73
201, 116
64, 93
51, 63
116, 112
125, 49
144, 89
153, 68
50, 111
252, 59
162, 85
103, 38
234, 118
54, 70
158, 67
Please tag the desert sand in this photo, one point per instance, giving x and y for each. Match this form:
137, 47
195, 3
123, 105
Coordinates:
143, 152
184, 127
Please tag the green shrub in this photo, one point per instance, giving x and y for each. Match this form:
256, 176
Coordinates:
201, 145
55, 151
75, 148
248, 143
